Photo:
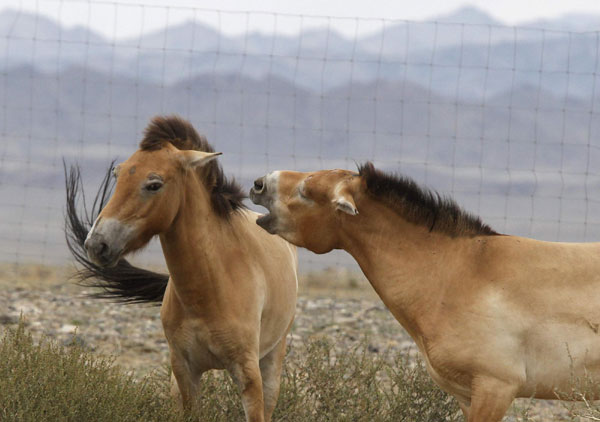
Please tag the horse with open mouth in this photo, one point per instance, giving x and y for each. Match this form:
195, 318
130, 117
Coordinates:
230, 299
494, 316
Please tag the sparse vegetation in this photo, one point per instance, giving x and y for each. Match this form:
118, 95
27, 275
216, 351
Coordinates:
579, 402
44, 381
332, 372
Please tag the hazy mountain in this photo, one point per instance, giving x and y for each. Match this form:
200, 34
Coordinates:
25, 25
472, 60
468, 15
401, 39
577, 22
186, 36
568, 22
468, 26
27, 38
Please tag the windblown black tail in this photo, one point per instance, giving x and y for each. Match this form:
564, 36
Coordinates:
122, 283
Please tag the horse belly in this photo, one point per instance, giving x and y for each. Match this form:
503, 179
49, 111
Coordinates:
556, 353
276, 318
278, 310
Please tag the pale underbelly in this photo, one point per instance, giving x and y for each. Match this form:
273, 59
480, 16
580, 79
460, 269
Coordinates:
556, 355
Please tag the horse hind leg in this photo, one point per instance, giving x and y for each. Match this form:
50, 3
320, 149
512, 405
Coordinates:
270, 368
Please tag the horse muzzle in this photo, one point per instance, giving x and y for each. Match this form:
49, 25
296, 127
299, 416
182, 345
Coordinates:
99, 251
106, 242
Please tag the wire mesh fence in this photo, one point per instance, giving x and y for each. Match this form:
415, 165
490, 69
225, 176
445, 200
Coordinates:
503, 119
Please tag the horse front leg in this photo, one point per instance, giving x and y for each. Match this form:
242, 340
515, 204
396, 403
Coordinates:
175, 393
184, 382
246, 374
184, 388
490, 399
465, 409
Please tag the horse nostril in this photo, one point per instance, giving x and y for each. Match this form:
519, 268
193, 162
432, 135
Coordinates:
259, 185
96, 247
102, 249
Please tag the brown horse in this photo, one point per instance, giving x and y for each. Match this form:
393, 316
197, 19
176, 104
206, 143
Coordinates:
230, 300
495, 317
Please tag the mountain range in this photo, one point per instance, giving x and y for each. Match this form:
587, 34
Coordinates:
466, 53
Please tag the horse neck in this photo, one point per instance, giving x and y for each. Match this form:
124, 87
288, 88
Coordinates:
409, 267
191, 245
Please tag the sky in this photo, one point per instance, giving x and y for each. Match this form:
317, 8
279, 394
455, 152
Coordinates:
132, 17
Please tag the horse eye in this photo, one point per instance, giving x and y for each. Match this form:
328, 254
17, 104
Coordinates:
153, 187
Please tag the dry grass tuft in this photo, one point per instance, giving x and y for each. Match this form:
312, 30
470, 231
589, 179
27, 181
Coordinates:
43, 381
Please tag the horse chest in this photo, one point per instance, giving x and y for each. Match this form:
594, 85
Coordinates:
192, 341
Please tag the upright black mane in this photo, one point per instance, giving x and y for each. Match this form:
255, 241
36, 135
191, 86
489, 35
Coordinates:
226, 194
420, 205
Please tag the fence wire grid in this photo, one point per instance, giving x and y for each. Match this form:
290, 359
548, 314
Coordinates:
503, 119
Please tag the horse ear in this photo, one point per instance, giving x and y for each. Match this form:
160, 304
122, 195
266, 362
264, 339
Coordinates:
199, 158
345, 203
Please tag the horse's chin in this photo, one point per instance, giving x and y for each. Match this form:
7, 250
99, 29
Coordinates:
108, 262
267, 222
113, 263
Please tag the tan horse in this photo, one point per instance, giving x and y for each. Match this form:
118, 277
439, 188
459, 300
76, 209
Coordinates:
495, 317
230, 300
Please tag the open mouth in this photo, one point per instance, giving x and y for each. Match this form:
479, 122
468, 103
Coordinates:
268, 222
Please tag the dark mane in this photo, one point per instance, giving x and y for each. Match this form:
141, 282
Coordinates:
420, 205
226, 194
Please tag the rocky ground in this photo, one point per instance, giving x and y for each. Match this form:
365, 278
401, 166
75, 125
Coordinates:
348, 312
133, 333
